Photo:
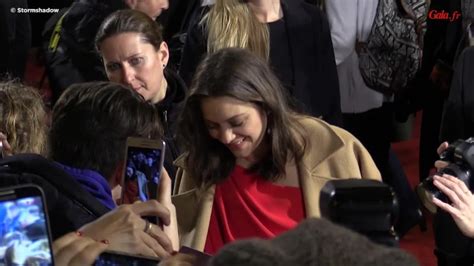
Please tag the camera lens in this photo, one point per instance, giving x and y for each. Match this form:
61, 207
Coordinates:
427, 190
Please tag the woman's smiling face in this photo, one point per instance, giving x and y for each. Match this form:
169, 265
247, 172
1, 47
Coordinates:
240, 126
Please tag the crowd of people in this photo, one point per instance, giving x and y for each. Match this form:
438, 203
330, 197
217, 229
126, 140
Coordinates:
266, 106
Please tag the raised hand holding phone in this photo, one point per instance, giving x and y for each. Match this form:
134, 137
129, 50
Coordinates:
72, 249
124, 229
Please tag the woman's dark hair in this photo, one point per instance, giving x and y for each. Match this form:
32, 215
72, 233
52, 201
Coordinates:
239, 74
91, 122
129, 20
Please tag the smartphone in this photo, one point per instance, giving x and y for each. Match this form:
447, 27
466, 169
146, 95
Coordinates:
142, 169
25, 238
112, 258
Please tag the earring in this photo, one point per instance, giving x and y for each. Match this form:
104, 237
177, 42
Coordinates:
164, 65
269, 129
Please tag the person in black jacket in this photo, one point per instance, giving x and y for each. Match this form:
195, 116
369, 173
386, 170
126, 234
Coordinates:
458, 116
15, 38
453, 238
441, 43
69, 39
293, 36
134, 54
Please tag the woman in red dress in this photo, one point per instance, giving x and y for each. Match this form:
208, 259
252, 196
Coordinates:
252, 166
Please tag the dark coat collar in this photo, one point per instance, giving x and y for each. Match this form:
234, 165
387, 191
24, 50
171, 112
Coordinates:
175, 92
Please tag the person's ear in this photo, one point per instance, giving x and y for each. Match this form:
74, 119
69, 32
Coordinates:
132, 4
116, 178
164, 54
269, 120
115, 183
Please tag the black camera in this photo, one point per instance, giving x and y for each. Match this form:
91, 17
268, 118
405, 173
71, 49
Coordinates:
366, 206
460, 155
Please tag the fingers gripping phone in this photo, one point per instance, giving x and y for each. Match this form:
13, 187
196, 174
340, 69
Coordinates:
142, 170
24, 233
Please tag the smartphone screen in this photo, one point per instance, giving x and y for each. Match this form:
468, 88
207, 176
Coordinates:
143, 164
110, 258
24, 232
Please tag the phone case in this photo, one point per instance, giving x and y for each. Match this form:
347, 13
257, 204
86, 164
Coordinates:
25, 230
142, 169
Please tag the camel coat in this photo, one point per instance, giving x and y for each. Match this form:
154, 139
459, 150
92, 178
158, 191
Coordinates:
332, 153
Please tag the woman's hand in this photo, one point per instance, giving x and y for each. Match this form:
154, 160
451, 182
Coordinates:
73, 249
462, 206
125, 230
439, 163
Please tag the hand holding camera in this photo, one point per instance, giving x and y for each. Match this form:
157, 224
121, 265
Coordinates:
450, 188
462, 202
457, 160
439, 164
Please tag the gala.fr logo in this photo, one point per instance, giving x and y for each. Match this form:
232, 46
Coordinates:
443, 15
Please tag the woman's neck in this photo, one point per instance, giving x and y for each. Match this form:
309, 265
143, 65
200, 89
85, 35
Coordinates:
257, 156
162, 93
266, 11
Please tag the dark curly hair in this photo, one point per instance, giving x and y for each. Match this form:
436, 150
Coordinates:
23, 117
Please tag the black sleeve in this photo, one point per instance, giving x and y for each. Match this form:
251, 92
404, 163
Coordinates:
329, 81
454, 122
15, 38
4, 36
194, 50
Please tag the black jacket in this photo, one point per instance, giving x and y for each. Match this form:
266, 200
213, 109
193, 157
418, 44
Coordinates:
315, 86
452, 246
69, 206
458, 114
75, 59
169, 109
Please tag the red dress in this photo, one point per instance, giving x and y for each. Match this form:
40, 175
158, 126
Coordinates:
245, 205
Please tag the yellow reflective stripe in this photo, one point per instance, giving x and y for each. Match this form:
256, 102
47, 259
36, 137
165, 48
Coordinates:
56, 36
